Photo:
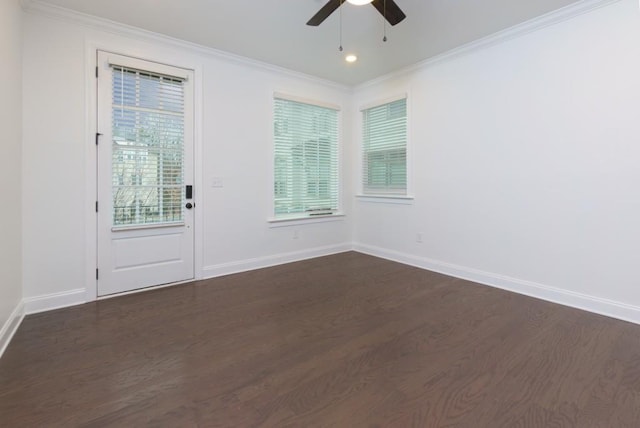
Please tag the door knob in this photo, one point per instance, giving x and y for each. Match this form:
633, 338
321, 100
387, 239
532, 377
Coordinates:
189, 205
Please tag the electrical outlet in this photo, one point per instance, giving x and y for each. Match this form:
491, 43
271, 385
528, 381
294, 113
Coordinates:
295, 234
419, 238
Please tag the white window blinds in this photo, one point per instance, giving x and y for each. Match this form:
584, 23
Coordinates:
147, 147
305, 159
384, 151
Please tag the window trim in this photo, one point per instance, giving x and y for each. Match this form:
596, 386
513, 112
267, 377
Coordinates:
388, 197
304, 218
303, 100
387, 100
296, 221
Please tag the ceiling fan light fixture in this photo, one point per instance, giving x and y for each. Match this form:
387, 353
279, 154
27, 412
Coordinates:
387, 8
351, 58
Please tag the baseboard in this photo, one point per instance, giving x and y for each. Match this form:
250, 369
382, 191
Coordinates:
11, 326
78, 296
49, 302
272, 260
585, 302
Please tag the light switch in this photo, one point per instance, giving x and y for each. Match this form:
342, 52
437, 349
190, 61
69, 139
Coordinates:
217, 182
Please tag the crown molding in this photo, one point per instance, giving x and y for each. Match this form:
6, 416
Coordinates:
566, 13
39, 8
555, 17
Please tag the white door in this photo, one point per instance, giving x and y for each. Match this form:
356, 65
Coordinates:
145, 174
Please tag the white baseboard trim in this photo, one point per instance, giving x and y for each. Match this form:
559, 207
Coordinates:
585, 302
610, 308
11, 326
272, 260
49, 302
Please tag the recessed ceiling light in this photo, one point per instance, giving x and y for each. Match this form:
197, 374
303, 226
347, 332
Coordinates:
351, 58
359, 2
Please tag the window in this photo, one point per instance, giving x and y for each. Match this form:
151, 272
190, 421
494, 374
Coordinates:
305, 159
384, 149
148, 147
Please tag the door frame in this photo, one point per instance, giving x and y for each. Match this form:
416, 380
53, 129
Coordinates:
153, 53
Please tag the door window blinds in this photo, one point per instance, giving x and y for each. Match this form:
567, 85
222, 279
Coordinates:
305, 159
384, 162
147, 147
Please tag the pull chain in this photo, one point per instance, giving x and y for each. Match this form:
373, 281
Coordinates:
384, 39
340, 48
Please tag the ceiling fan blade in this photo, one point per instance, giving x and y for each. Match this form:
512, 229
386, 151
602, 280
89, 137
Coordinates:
394, 14
324, 13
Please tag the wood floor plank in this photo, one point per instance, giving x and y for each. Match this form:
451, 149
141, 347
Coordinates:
347, 340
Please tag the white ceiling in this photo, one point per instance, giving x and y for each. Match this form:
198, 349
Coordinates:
274, 31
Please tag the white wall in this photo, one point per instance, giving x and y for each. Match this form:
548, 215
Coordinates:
10, 172
236, 100
526, 164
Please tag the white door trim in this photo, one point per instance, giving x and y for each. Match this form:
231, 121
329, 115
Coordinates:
154, 54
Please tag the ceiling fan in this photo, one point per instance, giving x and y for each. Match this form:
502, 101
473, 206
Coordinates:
393, 13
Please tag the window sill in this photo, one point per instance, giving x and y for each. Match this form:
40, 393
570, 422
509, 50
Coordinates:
296, 221
386, 199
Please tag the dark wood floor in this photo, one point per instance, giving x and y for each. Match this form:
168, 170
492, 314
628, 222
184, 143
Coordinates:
341, 341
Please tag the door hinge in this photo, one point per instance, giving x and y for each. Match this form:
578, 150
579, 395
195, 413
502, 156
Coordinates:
97, 273
96, 206
96, 71
97, 137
